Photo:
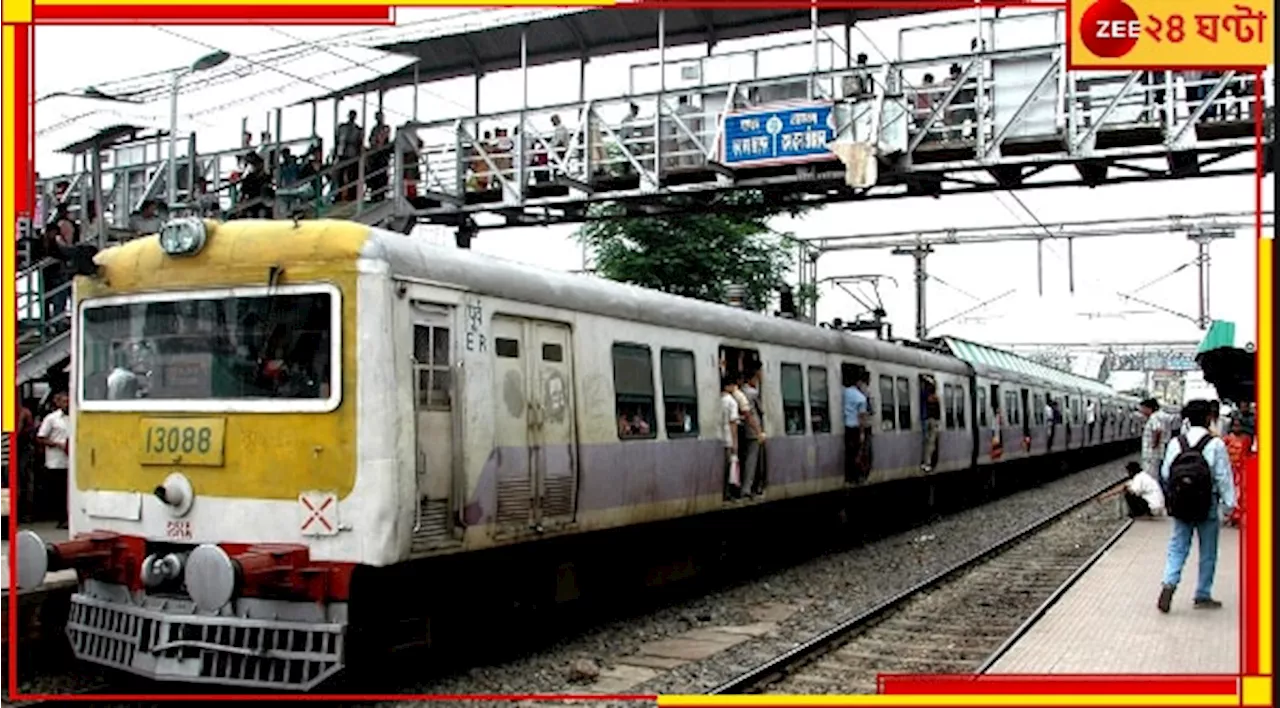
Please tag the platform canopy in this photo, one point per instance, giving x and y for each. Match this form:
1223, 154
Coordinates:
73, 123
490, 41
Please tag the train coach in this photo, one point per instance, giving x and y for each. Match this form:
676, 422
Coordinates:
264, 413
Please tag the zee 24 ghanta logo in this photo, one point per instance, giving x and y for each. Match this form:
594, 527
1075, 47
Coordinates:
1110, 29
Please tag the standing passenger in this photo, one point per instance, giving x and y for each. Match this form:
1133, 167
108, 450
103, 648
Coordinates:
932, 423
729, 434
54, 436
1153, 435
1052, 417
753, 459
1239, 443
1090, 421
1197, 474
855, 419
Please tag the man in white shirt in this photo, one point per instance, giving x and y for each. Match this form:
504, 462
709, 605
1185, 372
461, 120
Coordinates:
1090, 421
729, 417
1142, 493
1222, 497
54, 436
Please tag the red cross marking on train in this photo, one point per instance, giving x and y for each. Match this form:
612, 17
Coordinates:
317, 513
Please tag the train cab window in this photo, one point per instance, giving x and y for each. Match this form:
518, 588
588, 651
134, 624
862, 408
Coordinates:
633, 388
960, 402
793, 399
888, 411
949, 405
904, 403
552, 352
982, 406
279, 350
679, 394
819, 400
431, 366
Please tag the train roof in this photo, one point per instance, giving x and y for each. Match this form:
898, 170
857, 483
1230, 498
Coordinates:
587, 293
985, 358
142, 264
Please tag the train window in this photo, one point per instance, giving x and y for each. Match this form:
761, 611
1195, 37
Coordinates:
793, 398
633, 386
278, 350
431, 365
961, 402
982, 406
1037, 409
552, 352
904, 403
888, 412
679, 394
1011, 409
949, 405
506, 348
736, 362
819, 400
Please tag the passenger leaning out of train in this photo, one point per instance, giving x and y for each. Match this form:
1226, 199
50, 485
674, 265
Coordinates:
729, 418
932, 408
751, 437
857, 427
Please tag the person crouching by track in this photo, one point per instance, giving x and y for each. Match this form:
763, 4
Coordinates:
729, 418
1196, 473
1142, 493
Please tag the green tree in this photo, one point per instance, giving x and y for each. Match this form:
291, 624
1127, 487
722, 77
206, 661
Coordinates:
696, 247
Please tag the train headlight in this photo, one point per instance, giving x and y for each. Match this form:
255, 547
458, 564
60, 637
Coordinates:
211, 577
183, 236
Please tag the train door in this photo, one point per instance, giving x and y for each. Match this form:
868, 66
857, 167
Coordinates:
555, 449
534, 423
435, 426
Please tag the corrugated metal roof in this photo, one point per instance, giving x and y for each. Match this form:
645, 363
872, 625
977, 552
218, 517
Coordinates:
983, 355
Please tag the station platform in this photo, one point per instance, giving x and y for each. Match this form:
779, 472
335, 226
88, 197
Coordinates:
49, 532
1107, 622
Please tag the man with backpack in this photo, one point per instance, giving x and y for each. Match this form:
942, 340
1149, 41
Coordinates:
1196, 474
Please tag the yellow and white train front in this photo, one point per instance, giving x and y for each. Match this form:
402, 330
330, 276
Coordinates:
222, 492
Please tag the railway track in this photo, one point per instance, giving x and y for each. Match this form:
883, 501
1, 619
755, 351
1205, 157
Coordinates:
960, 620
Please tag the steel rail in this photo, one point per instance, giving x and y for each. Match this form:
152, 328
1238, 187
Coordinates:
1051, 601
778, 666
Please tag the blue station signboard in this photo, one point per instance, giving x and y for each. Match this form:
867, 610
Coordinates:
776, 136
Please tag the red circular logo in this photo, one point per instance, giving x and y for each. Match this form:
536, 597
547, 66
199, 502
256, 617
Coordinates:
1109, 28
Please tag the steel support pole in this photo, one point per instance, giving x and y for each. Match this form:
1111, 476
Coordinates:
171, 188
1040, 265
1071, 264
415, 92
919, 253
813, 41
1202, 239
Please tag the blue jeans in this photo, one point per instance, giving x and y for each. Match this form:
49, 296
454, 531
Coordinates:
1180, 548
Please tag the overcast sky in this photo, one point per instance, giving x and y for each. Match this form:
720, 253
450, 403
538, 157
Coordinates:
1094, 313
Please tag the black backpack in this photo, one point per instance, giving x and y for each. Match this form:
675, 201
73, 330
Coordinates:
1190, 482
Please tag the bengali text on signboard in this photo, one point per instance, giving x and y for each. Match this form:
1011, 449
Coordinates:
792, 134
